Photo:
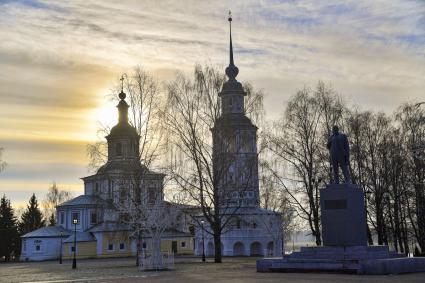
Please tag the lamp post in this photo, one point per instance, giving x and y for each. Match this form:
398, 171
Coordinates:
203, 241
60, 252
74, 260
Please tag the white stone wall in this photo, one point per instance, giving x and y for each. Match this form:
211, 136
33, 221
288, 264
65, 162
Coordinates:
48, 248
263, 240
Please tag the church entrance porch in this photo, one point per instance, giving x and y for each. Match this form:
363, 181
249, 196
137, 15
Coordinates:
256, 249
238, 249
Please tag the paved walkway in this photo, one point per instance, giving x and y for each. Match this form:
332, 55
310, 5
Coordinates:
186, 270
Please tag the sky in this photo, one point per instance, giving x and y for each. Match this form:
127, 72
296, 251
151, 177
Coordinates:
59, 60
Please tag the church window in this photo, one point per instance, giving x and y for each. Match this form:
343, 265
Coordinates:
249, 194
72, 249
144, 245
245, 142
183, 244
152, 195
238, 223
118, 149
93, 217
239, 104
110, 188
122, 246
231, 173
96, 188
110, 247
62, 217
254, 225
122, 195
37, 248
232, 144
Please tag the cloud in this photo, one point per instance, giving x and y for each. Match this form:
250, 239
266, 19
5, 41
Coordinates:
58, 59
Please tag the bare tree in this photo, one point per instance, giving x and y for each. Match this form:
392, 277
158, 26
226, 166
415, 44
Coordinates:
276, 199
412, 122
301, 163
196, 168
357, 123
53, 198
152, 216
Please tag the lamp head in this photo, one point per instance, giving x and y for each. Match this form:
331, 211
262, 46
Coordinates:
75, 221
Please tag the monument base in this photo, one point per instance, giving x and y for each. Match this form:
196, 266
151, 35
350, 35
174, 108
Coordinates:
354, 259
343, 215
345, 242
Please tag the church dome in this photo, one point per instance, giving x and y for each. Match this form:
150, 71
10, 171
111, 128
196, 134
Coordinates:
123, 129
126, 166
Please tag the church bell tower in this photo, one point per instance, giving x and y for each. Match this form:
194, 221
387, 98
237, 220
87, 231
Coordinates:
235, 157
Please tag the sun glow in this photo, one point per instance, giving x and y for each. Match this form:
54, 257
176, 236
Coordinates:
106, 114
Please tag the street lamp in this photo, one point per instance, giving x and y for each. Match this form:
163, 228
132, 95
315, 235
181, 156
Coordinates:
203, 241
74, 260
60, 252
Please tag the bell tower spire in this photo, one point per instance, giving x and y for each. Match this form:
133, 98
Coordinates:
231, 71
231, 46
232, 93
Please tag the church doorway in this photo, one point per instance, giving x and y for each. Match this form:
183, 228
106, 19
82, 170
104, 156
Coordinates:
174, 247
238, 249
256, 249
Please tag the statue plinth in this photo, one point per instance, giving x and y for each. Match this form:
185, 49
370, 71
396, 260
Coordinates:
343, 215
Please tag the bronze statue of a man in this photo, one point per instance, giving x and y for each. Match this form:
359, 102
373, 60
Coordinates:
340, 154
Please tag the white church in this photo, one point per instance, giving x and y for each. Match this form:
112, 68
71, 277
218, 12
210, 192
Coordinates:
92, 217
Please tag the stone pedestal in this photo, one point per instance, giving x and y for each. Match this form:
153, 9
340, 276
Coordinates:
343, 216
345, 242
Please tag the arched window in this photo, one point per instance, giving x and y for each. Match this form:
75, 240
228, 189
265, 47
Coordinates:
238, 223
246, 142
118, 149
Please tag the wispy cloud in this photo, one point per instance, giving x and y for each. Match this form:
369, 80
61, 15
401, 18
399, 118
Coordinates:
58, 60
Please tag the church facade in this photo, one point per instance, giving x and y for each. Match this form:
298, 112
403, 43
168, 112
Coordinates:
251, 231
92, 220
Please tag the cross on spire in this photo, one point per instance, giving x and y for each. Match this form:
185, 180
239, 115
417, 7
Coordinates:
231, 71
122, 83
122, 94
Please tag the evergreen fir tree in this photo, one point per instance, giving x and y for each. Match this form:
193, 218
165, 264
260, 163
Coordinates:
9, 236
32, 218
